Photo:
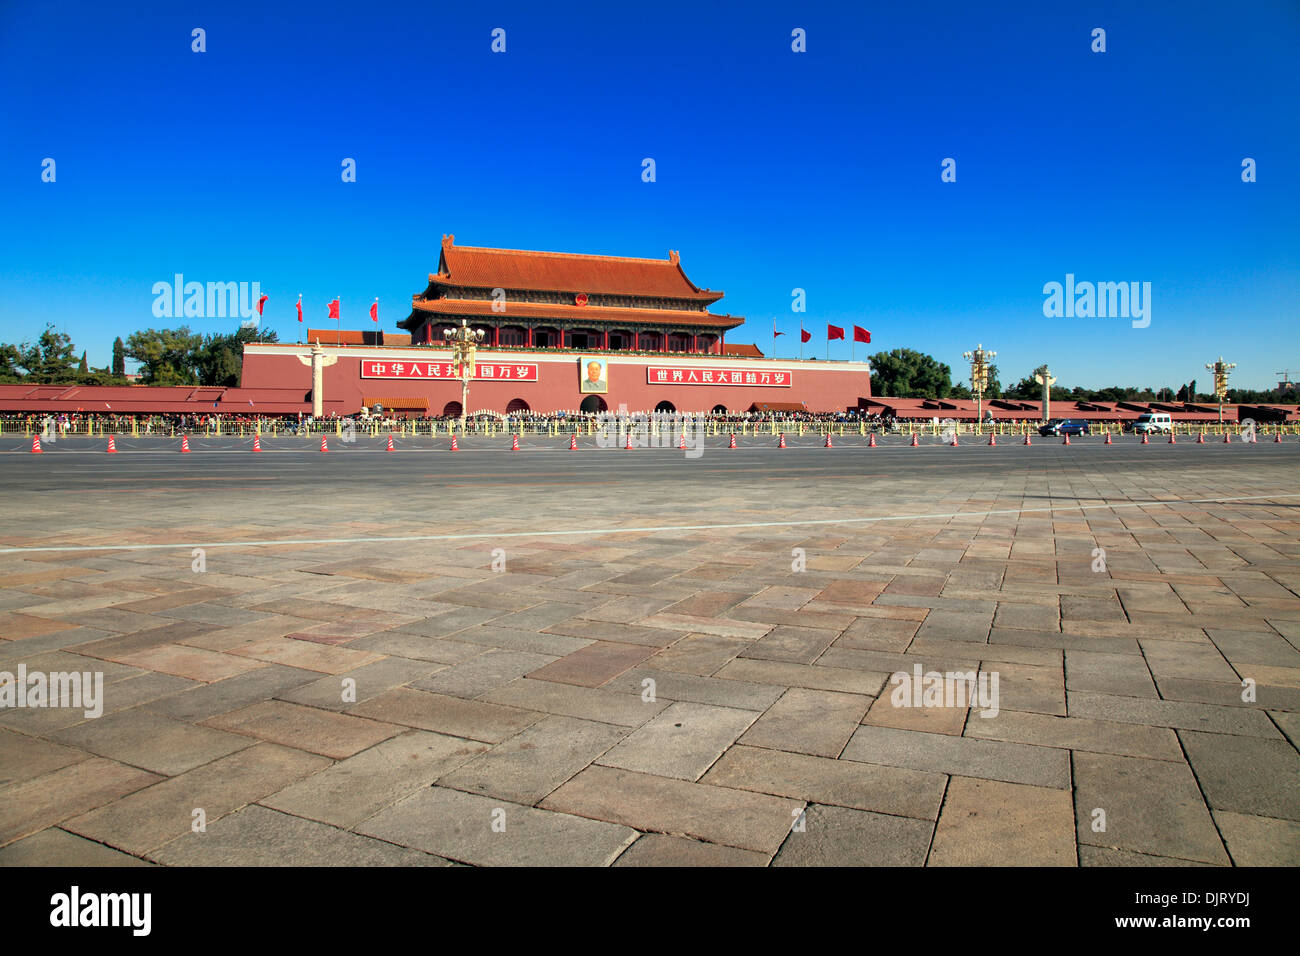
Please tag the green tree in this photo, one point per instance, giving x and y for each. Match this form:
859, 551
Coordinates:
906, 373
166, 356
119, 358
83, 368
10, 363
50, 360
220, 359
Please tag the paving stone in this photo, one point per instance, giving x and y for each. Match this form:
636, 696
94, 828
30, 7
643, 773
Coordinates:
1251, 840
690, 623
700, 654
305, 728
885, 712
23, 757
454, 716
964, 756
701, 690
736, 818
55, 847
1170, 713
814, 677
155, 743
1122, 675
846, 783
801, 645
220, 697
617, 633
148, 818
1078, 733
1033, 617
483, 673
459, 826
1109, 856
1177, 659
360, 786
1151, 806
367, 681
32, 805
257, 836
529, 766
600, 704
839, 836
656, 849
593, 665
416, 647
681, 742
808, 721
1240, 774
994, 823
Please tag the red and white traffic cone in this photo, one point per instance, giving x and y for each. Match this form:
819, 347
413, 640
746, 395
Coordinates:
573, 442
390, 443
454, 446
1171, 439
954, 441
871, 443
992, 440
36, 445
257, 443
1027, 441
185, 444
112, 446
915, 443
1200, 439
1067, 440
514, 442
323, 446
828, 440
681, 442
1277, 438
1108, 441
1254, 439
627, 446
1146, 440
782, 443
732, 443
1227, 438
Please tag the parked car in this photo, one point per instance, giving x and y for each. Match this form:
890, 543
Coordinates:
1154, 423
1065, 426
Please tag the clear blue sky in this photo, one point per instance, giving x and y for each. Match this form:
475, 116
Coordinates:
775, 170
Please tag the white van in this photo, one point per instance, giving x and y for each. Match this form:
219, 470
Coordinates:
1154, 423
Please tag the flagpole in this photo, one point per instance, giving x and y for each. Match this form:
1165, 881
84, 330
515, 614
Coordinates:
801, 340
338, 322
774, 337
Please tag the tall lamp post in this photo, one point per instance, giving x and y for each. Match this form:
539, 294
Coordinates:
1221, 370
979, 380
1046, 379
464, 343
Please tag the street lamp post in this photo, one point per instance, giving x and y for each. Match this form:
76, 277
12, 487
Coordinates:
464, 343
979, 379
1221, 370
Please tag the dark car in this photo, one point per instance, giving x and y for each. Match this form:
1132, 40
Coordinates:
1065, 426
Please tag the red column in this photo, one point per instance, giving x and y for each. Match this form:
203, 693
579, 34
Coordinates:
695, 343
530, 336
636, 341
496, 335
607, 340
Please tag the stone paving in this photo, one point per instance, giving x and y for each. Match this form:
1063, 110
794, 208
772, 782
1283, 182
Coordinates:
718, 696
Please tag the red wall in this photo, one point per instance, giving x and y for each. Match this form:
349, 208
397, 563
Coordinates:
823, 386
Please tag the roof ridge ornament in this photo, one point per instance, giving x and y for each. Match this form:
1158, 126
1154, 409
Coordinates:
673, 257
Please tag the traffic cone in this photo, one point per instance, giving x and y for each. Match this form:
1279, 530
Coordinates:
573, 442
627, 446
112, 446
1227, 438
1254, 439
681, 442
1145, 439
454, 446
1277, 438
954, 442
514, 442
390, 443
828, 440
1067, 440
781, 445
323, 446
733, 441
1171, 439
1200, 439
915, 443
871, 443
1108, 441
1027, 441
36, 445
992, 440
185, 444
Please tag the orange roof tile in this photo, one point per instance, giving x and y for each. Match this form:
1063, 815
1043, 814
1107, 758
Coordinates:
487, 268
533, 311
742, 349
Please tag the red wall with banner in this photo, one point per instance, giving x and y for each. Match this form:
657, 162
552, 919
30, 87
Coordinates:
423, 378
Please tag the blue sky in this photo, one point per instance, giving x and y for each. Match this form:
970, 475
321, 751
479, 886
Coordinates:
775, 170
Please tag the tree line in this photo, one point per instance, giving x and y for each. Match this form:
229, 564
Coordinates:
166, 357
907, 373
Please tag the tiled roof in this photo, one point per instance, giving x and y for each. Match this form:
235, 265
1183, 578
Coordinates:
408, 403
587, 314
487, 268
339, 337
742, 350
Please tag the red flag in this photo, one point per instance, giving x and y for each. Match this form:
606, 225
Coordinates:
861, 335
374, 311
833, 332
334, 309
805, 336
299, 308
775, 334
261, 302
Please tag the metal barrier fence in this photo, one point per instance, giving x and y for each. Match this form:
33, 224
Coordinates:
410, 428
